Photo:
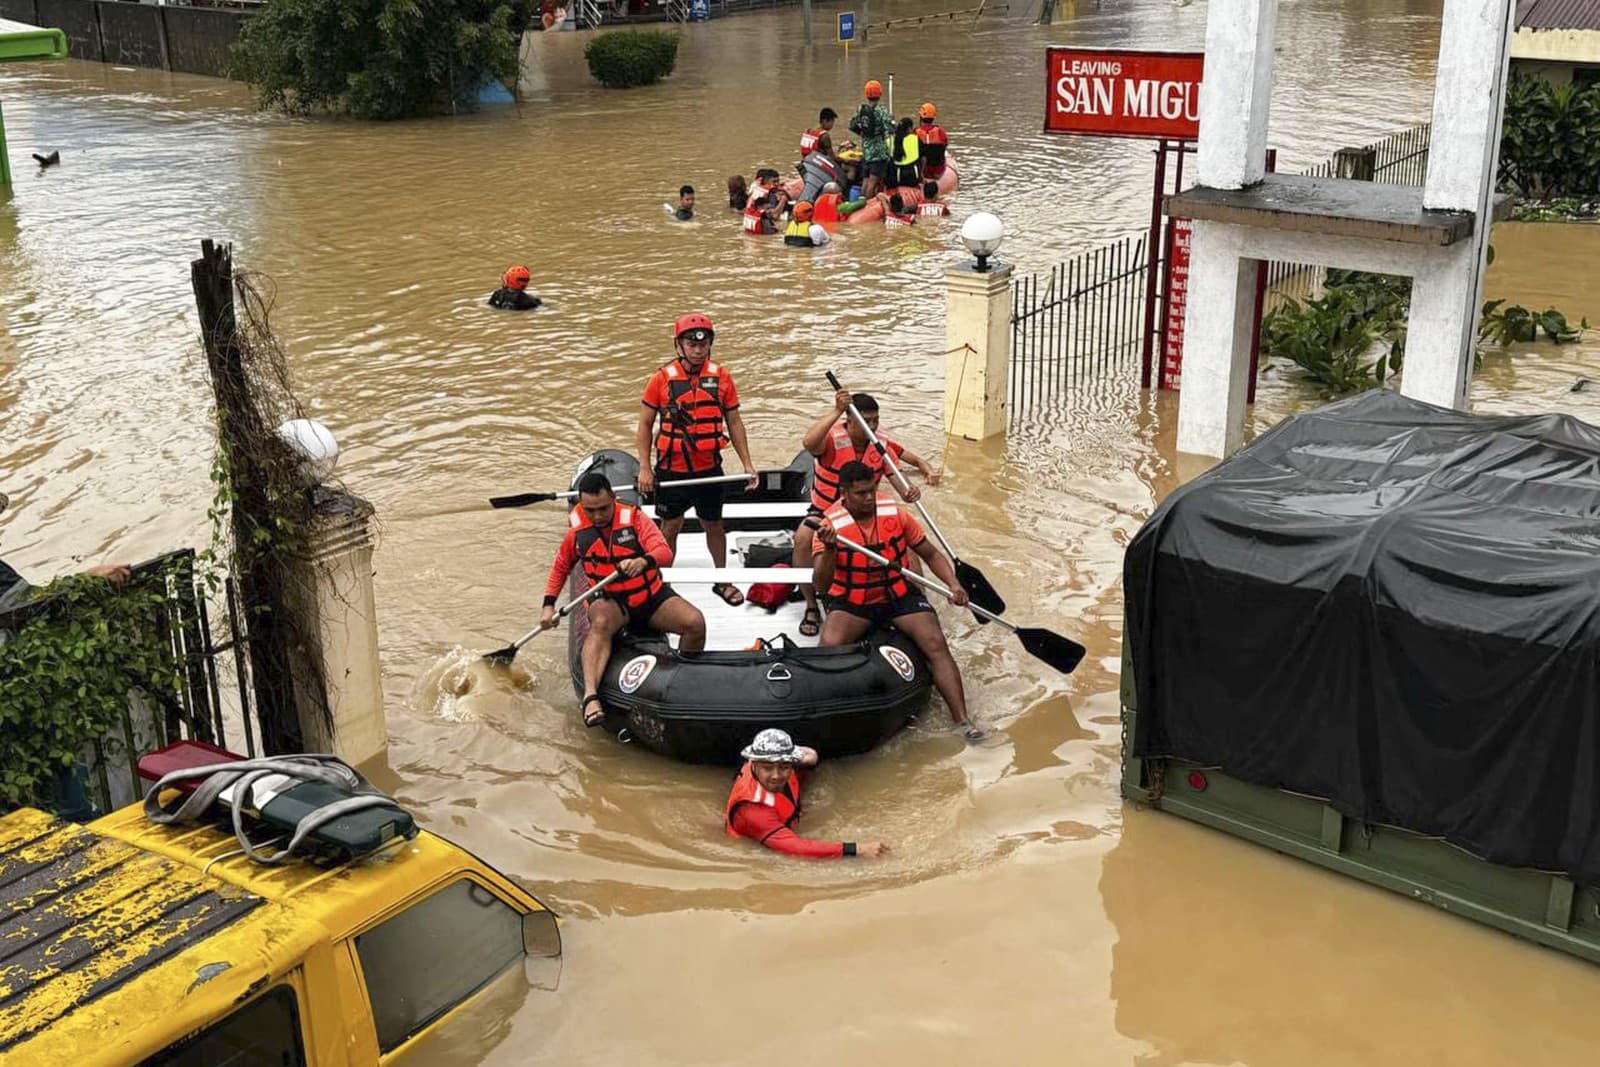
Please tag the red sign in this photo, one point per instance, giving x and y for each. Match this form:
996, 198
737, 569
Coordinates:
1123, 94
1178, 230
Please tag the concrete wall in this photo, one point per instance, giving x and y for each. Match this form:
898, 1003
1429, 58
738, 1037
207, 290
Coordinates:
193, 40
1557, 46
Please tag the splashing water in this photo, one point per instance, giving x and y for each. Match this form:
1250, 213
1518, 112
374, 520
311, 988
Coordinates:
460, 685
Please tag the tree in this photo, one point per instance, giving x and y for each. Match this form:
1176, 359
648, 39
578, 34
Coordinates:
379, 59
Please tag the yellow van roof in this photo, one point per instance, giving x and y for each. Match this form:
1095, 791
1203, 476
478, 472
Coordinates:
121, 937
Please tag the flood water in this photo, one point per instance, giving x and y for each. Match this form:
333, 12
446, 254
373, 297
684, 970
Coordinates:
1027, 913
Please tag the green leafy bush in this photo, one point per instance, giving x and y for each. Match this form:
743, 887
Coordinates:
379, 59
1353, 336
629, 58
66, 673
1550, 139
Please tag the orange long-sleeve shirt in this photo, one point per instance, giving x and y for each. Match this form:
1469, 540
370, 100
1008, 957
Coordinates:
650, 539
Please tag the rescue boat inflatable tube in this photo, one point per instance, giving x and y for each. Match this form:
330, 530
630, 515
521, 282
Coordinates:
872, 211
704, 707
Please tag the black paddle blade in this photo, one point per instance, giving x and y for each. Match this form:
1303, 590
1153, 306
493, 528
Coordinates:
1062, 653
500, 657
520, 500
979, 591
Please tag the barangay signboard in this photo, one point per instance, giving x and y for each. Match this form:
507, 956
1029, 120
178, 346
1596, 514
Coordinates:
1120, 93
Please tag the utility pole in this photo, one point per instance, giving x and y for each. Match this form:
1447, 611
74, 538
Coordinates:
805, 8
866, 19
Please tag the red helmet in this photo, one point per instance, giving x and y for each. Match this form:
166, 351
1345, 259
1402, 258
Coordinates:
516, 278
692, 321
874, 89
928, 111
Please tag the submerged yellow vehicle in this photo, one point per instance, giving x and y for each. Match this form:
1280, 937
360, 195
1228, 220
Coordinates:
128, 942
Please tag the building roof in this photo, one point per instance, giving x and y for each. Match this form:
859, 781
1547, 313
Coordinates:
1558, 15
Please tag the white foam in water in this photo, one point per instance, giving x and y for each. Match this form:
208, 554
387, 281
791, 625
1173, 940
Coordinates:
446, 690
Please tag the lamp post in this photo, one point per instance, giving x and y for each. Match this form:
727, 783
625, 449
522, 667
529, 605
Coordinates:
982, 234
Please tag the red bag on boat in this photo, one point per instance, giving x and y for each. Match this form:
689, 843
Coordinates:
771, 595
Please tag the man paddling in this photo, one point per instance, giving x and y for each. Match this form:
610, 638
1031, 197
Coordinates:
605, 536
834, 440
862, 594
698, 408
765, 800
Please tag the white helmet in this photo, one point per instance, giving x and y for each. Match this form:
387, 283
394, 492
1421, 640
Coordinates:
772, 746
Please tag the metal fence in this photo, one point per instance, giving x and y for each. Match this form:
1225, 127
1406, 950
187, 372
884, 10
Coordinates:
1081, 318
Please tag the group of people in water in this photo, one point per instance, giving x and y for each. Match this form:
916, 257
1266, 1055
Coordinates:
690, 412
897, 163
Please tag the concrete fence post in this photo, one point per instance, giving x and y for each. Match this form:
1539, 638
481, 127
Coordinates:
977, 340
333, 601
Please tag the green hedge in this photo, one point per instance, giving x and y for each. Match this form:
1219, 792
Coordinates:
1550, 140
629, 58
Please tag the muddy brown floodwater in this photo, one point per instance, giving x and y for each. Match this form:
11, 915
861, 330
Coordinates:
1027, 914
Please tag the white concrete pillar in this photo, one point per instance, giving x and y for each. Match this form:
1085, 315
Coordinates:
1216, 341
1468, 100
1236, 93
977, 341
1442, 327
332, 598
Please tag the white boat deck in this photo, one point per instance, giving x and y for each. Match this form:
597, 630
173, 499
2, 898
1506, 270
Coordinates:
734, 628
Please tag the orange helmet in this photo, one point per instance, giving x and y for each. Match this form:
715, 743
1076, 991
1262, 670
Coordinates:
928, 111
802, 211
874, 89
692, 321
516, 278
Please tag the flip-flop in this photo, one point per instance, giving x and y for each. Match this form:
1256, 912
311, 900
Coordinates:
592, 719
729, 593
813, 619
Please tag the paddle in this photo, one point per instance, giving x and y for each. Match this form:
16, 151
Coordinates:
521, 500
982, 593
1062, 653
503, 656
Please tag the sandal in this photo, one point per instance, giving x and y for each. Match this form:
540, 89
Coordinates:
811, 622
596, 717
729, 593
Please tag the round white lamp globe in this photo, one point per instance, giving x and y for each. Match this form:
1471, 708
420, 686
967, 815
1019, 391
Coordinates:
315, 444
982, 233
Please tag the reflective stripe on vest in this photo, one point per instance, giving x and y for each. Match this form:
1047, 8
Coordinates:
752, 221
858, 579
891, 219
692, 421
746, 790
933, 208
808, 142
825, 476
600, 551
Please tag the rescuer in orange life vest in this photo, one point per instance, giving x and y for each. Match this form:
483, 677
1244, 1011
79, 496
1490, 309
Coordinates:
765, 800
834, 440
605, 536
698, 408
862, 594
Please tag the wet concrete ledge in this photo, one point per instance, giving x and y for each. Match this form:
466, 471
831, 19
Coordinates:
1338, 207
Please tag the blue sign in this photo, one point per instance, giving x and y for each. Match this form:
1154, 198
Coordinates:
847, 25
699, 10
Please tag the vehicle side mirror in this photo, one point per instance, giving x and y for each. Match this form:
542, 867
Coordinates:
541, 937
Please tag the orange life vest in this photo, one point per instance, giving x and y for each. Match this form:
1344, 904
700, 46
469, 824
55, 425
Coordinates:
825, 476
808, 141
858, 579
600, 550
934, 142
752, 218
692, 421
746, 790
892, 220
826, 208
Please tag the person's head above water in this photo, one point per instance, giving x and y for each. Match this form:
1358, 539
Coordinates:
686, 197
773, 756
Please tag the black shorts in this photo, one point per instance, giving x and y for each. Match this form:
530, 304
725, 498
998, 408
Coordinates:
639, 618
705, 499
878, 168
882, 614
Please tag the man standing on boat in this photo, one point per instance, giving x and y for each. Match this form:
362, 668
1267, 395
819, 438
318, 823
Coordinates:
698, 409
834, 440
765, 800
604, 536
862, 593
